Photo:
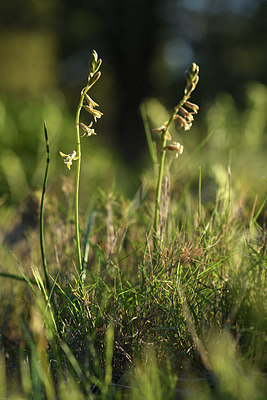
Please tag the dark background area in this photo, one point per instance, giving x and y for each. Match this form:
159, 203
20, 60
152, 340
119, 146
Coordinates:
146, 46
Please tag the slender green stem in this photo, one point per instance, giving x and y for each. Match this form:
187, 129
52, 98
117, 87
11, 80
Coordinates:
192, 80
94, 75
77, 184
199, 197
161, 168
159, 184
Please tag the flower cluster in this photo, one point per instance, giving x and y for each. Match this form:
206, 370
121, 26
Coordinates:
184, 118
88, 105
183, 114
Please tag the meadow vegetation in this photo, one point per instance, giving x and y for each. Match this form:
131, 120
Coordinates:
154, 293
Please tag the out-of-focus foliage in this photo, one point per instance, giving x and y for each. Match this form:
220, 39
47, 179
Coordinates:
23, 153
238, 140
29, 62
240, 137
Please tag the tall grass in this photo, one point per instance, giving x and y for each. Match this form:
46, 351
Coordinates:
186, 319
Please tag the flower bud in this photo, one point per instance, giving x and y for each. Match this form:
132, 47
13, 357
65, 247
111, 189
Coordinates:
194, 70
94, 64
94, 56
191, 79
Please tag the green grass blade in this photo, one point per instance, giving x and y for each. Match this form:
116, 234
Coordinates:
42, 211
254, 219
199, 197
109, 354
17, 278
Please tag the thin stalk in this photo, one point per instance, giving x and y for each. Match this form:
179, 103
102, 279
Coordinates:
86, 241
192, 80
199, 197
161, 168
93, 77
159, 184
45, 269
81, 266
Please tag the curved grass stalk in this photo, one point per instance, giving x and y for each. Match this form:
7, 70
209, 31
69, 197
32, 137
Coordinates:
45, 269
47, 282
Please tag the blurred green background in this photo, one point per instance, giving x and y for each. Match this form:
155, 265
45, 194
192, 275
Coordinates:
146, 45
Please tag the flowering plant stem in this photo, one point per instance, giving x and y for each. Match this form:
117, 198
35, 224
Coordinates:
185, 122
94, 75
77, 184
161, 165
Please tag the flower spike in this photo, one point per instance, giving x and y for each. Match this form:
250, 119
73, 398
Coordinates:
183, 118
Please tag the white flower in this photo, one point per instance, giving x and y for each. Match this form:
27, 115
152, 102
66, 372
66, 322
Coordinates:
69, 158
88, 131
95, 113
